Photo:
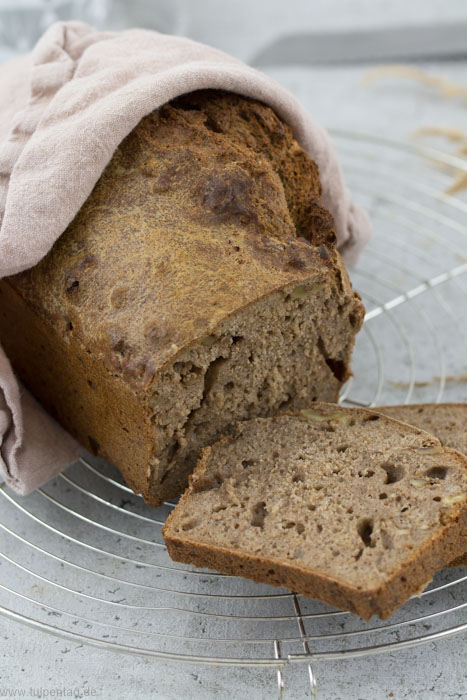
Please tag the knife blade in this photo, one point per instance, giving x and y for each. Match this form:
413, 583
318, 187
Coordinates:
441, 42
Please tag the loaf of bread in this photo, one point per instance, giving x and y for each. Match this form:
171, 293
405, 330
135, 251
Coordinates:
340, 504
447, 421
198, 285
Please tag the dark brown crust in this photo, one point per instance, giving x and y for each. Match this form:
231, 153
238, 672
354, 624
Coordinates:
101, 411
447, 546
460, 561
382, 601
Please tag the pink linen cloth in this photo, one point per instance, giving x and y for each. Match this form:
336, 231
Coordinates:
64, 109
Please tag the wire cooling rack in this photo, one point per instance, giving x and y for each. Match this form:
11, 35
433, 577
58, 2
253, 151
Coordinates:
83, 558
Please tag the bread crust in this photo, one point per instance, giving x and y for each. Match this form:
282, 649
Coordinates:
382, 601
163, 224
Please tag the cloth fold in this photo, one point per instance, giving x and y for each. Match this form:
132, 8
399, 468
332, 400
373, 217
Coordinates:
64, 109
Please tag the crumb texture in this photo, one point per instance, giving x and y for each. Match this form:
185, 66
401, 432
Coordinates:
341, 495
448, 421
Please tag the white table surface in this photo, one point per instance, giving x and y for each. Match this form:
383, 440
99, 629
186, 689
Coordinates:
31, 660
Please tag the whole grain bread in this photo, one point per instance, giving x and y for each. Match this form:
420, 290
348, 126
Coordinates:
198, 285
448, 421
340, 504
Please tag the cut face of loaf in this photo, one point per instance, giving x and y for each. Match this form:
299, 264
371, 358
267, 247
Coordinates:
339, 504
447, 421
198, 285
285, 349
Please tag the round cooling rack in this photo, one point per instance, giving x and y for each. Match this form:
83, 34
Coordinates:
83, 558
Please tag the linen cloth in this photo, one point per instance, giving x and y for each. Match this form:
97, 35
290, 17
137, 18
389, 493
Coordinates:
64, 109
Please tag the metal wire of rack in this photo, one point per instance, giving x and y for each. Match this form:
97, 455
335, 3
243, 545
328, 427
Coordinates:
83, 557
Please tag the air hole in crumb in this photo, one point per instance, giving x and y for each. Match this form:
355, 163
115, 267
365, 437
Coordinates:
403, 579
393, 472
365, 530
311, 507
164, 476
370, 418
285, 404
236, 339
319, 528
172, 449
352, 422
259, 514
437, 472
275, 455
187, 370
91, 384
382, 496
300, 528
338, 368
354, 320
404, 509
349, 510
271, 572
229, 386
218, 509
69, 326
190, 524
368, 474
288, 525
71, 284
297, 478
342, 448
202, 485
437, 499
246, 463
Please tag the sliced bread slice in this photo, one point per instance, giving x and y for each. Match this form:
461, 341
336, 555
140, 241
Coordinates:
447, 421
340, 504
